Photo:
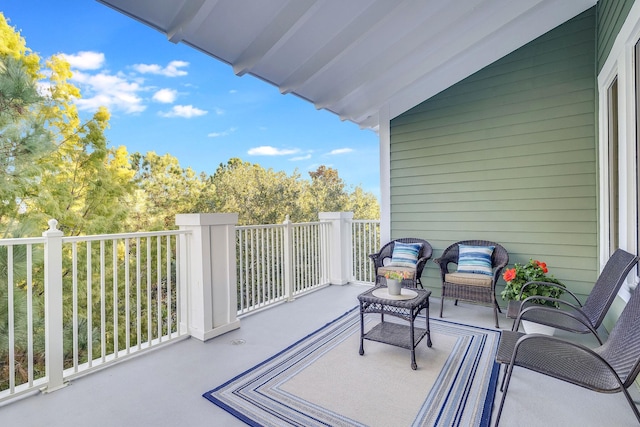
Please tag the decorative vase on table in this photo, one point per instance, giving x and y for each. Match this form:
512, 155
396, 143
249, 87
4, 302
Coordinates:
394, 286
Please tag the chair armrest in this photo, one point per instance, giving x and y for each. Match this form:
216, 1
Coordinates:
557, 301
538, 282
444, 262
581, 317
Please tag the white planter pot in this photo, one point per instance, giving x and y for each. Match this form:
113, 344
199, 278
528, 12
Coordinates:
393, 287
537, 328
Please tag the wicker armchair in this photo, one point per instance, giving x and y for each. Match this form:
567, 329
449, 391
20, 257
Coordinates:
382, 258
467, 287
609, 368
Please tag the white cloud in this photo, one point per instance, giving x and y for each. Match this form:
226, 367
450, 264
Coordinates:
340, 151
219, 111
266, 150
85, 60
165, 96
171, 70
113, 92
297, 159
185, 111
223, 133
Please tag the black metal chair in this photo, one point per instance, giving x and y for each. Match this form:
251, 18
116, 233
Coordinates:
382, 258
573, 316
471, 287
610, 368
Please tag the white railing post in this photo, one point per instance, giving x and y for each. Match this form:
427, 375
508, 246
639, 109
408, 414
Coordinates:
340, 255
211, 294
288, 265
54, 353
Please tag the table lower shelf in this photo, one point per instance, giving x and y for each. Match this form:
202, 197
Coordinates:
396, 334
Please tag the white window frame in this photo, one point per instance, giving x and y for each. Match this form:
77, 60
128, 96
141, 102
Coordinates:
620, 64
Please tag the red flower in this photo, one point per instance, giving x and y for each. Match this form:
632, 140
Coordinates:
509, 275
543, 266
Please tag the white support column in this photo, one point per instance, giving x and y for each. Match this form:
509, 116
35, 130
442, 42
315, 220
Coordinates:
384, 133
53, 338
340, 262
211, 294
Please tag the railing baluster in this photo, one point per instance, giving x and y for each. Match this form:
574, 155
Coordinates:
114, 269
138, 294
89, 307
149, 304
127, 297
11, 323
103, 314
30, 313
74, 286
159, 285
263, 285
169, 294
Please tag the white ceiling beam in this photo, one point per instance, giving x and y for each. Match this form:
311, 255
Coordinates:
342, 41
436, 53
189, 18
419, 34
292, 15
513, 34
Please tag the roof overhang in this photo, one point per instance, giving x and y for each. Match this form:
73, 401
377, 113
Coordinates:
355, 57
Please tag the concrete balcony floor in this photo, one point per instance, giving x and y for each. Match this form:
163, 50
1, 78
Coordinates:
164, 387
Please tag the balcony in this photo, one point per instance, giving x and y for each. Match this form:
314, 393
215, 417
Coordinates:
160, 381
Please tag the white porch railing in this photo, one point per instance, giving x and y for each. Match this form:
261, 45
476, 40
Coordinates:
76, 304
71, 305
366, 240
277, 262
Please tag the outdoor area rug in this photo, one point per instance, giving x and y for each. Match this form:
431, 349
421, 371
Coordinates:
321, 380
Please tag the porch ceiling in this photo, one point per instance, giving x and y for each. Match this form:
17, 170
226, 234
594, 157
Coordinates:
356, 57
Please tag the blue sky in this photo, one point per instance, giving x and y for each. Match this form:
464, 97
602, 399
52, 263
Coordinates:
170, 98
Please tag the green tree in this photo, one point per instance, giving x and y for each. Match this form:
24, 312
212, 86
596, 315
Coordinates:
260, 196
363, 205
326, 193
23, 136
163, 189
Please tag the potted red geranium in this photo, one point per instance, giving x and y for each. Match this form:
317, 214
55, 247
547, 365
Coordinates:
533, 271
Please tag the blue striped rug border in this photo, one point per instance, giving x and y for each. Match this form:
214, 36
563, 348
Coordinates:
487, 407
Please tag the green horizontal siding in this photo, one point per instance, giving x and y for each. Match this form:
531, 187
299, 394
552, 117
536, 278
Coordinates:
611, 15
508, 155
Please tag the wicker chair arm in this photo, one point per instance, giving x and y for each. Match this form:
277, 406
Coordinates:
445, 260
539, 282
532, 298
580, 317
420, 265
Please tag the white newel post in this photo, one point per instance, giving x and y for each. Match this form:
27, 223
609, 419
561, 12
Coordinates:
53, 339
340, 262
211, 288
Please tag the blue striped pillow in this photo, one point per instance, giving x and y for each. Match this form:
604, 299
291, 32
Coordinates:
405, 254
475, 259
